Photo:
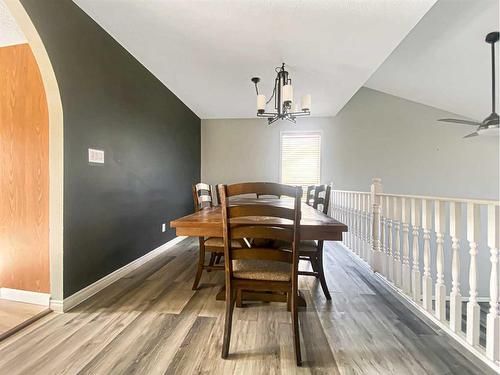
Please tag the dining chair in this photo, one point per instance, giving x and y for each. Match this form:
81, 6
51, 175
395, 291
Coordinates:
202, 197
312, 251
261, 269
310, 195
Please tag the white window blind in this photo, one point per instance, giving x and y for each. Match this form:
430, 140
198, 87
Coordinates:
301, 159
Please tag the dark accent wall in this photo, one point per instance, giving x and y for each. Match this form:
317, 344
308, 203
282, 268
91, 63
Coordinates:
113, 212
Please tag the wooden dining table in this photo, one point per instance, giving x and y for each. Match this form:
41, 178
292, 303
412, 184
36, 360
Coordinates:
314, 225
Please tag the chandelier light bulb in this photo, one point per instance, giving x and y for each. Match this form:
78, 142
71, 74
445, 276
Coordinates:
261, 103
287, 94
306, 102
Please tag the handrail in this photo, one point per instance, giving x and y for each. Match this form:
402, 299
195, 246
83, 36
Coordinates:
446, 199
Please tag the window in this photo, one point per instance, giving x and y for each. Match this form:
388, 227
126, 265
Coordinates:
301, 159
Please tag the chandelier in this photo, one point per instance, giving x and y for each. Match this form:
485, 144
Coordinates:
283, 99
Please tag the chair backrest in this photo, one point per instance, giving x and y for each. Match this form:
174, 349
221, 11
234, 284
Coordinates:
322, 198
202, 196
310, 195
287, 231
268, 196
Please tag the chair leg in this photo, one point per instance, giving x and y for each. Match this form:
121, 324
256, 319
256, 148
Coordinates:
321, 275
314, 263
295, 324
239, 298
229, 321
218, 258
199, 271
289, 302
212, 261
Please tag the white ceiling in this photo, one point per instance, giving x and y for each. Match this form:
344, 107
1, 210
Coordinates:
444, 62
207, 51
10, 33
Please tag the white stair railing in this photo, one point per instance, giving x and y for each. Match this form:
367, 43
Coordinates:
402, 236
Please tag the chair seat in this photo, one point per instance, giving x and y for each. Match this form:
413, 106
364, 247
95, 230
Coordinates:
267, 270
308, 246
219, 242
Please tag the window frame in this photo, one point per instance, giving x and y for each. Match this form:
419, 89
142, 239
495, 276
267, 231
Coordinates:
285, 132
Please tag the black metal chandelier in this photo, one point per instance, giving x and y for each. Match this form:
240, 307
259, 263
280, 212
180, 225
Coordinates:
283, 99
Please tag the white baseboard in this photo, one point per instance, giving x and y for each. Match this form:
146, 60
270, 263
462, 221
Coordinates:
26, 296
87, 292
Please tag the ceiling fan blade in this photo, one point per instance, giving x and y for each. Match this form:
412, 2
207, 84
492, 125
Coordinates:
458, 121
475, 134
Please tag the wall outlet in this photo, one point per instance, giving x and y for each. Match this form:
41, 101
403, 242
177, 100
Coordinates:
96, 156
164, 227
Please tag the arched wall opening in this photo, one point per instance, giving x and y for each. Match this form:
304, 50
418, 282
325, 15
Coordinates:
54, 154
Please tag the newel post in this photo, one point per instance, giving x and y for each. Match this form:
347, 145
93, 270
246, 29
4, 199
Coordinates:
376, 190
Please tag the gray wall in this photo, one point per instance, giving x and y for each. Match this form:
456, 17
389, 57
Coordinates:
113, 213
375, 135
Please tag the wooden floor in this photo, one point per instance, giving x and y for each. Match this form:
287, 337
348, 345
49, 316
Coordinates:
15, 315
152, 323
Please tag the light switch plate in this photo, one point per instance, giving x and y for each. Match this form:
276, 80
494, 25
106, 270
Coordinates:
96, 156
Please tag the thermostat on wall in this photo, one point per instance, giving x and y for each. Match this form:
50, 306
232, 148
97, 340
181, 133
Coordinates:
96, 156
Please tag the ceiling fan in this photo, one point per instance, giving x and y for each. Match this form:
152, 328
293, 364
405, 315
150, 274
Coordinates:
489, 126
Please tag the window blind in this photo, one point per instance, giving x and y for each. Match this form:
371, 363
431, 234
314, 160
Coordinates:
301, 159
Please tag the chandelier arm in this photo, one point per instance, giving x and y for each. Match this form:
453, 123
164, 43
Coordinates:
271, 120
267, 114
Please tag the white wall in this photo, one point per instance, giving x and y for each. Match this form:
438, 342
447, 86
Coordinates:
375, 135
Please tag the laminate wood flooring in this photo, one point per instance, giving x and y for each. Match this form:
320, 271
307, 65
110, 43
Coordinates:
151, 322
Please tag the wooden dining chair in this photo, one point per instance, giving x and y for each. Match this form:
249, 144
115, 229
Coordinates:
202, 197
310, 195
312, 251
261, 269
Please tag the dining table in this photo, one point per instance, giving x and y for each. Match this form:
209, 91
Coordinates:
314, 225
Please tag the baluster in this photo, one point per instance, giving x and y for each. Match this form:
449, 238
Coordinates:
426, 278
406, 276
390, 265
415, 272
355, 223
383, 243
366, 241
349, 219
342, 215
397, 240
473, 217
358, 225
493, 318
455, 296
440, 289
347, 202
370, 256
384, 256
337, 205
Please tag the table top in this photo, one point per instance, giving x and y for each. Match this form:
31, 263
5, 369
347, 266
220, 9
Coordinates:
314, 225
